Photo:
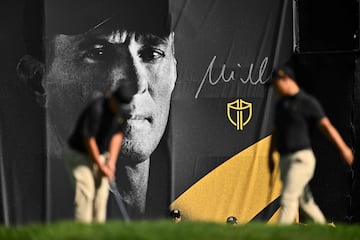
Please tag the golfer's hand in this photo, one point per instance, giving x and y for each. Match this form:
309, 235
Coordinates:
112, 169
107, 171
347, 155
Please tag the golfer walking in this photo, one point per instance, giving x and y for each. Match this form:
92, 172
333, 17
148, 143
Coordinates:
295, 112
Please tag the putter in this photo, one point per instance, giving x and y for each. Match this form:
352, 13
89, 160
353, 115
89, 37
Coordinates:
119, 200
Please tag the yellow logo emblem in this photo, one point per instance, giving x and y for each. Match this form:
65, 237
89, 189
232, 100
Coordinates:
239, 113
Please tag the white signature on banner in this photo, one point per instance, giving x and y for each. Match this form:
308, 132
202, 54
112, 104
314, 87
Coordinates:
232, 76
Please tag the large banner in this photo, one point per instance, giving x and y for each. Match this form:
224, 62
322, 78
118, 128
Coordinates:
199, 135
221, 114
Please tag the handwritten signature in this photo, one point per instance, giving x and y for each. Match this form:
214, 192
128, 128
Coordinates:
232, 76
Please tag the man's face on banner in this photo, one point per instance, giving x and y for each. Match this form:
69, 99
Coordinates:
80, 65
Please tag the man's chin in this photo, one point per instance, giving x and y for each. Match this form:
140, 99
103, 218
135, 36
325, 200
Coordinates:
136, 153
139, 145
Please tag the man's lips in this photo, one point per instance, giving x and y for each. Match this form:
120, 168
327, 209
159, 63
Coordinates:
140, 117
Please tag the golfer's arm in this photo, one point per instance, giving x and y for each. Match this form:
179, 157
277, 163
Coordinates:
114, 148
93, 149
335, 137
332, 134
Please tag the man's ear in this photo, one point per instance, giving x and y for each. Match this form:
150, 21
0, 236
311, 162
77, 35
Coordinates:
174, 72
172, 42
31, 71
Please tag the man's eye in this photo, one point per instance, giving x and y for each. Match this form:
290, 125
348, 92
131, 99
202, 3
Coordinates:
96, 53
151, 54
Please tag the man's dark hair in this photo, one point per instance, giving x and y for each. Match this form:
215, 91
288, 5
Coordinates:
44, 19
288, 69
284, 70
139, 16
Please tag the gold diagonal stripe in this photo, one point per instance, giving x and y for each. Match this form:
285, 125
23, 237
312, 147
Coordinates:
242, 186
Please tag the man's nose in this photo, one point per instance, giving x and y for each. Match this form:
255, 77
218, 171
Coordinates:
128, 68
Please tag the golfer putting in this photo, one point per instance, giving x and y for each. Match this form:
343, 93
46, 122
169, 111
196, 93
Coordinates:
97, 140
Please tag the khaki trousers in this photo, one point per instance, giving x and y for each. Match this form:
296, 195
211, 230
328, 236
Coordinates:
91, 188
296, 170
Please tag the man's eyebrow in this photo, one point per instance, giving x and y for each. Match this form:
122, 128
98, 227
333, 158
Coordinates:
91, 41
150, 39
146, 39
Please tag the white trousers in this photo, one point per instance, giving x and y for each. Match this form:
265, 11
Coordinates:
296, 171
91, 188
